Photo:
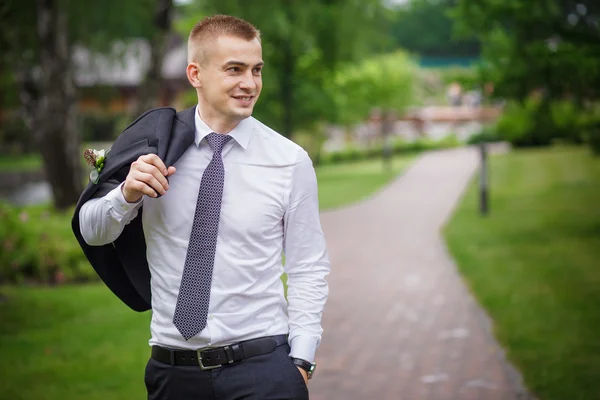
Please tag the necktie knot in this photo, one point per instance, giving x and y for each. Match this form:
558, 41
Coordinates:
217, 141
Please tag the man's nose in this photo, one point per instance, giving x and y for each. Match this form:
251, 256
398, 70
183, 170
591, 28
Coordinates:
248, 81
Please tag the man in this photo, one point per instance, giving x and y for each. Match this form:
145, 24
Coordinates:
215, 225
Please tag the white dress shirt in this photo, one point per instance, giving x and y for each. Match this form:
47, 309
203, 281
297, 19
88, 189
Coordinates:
269, 207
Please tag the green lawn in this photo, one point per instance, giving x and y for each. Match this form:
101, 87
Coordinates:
74, 342
534, 264
80, 342
342, 184
30, 162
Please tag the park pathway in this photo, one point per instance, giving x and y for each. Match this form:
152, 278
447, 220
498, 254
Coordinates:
400, 323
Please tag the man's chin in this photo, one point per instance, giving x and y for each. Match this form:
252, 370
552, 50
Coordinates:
243, 113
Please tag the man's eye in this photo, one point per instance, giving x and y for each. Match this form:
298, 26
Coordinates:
233, 69
257, 71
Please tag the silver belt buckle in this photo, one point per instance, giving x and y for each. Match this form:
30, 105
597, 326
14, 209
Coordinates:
202, 366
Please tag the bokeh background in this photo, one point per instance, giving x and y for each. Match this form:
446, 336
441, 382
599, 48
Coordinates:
366, 87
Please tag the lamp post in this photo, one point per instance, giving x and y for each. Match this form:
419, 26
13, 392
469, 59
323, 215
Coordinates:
483, 181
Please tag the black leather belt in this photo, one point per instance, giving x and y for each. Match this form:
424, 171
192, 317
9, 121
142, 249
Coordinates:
215, 357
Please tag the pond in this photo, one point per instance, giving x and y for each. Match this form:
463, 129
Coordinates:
28, 194
24, 188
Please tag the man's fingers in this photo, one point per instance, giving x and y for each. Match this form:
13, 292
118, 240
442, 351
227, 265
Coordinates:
150, 179
148, 175
152, 170
143, 188
155, 160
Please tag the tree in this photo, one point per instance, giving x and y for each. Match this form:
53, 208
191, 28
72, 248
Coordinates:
303, 44
38, 38
385, 82
148, 92
546, 49
552, 45
426, 28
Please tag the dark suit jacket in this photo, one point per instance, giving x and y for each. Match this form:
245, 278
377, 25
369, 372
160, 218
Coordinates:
122, 265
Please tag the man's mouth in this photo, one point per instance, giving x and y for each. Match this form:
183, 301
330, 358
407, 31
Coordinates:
243, 98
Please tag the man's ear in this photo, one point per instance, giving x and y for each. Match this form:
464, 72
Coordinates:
193, 74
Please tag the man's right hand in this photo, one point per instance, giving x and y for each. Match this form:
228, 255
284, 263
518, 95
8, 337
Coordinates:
147, 176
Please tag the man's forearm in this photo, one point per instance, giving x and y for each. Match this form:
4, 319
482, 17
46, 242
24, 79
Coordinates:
307, 294
102, 220
307, 263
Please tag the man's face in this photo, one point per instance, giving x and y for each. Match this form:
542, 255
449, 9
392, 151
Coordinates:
230, 78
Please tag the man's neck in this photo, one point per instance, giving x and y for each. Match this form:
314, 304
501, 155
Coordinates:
218, 125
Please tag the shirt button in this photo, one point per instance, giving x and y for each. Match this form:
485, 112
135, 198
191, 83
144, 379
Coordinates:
210, 316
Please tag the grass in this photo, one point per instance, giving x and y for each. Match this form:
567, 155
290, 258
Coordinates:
347, 183
534, 265
74, 342
80, 342
29, 162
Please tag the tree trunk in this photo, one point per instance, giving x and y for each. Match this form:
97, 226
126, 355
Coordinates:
54, 121
148, 94
29, 93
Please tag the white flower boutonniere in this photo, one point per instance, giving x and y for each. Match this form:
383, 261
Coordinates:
95, 159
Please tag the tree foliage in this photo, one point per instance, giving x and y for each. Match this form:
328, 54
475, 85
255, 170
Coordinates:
425, 27
552, 45
384, 82
303, 44
541, 54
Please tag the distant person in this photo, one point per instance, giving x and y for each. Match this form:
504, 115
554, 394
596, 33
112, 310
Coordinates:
473, 98
454, 94
190, 217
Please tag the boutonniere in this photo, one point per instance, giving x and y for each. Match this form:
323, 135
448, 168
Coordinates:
95, 159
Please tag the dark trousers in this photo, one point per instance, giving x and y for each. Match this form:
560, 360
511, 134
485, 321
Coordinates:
269, 376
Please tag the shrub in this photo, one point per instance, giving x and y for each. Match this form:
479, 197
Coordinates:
398, 146
37, 245
447, 142
568, 121
488, 134
517, 125
591, 134
535, 123
350, 153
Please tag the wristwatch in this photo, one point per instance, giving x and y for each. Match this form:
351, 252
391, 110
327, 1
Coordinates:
305, 365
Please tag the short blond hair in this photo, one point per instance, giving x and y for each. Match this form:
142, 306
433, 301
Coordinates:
210, 28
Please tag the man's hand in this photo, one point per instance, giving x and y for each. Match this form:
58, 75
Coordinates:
304, 375
147, 176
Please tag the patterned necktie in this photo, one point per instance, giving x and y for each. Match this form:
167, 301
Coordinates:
194, 293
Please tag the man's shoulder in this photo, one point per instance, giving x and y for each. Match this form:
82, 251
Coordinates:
148, 125
150, 117
278, 143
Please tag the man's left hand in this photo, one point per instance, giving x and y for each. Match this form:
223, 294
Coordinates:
304, 375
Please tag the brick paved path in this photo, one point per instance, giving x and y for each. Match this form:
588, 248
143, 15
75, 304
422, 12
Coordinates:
399, 323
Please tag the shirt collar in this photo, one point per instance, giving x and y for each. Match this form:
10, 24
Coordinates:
241, 133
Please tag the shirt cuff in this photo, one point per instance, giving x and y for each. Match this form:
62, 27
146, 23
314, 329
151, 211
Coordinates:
303, 347
118, 203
